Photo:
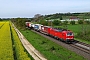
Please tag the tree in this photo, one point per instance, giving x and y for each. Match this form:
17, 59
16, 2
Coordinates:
20, 22
87, 22
72, 22
80, 21
65, 24
84, 33
56, 22
37, 17
0, 19
61, 18
43, 22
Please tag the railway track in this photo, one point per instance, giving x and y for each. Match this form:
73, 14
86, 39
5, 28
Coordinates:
88, 45
81, 47
78, 47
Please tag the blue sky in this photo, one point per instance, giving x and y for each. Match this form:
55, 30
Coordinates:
28, 8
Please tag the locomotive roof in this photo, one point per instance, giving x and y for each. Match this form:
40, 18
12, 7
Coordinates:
60, 30
48, 26
38, 24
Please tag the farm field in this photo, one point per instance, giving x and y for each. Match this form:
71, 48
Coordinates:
76, 29
49, 49
6, 49
10, 45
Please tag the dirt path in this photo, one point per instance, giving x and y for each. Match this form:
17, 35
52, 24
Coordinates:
31, 50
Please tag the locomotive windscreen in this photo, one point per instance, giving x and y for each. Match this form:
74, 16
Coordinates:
69, 33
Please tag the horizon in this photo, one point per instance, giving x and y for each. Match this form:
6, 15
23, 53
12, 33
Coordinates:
43, 15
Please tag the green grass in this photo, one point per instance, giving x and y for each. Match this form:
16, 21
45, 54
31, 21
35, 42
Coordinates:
74, 28
49, 49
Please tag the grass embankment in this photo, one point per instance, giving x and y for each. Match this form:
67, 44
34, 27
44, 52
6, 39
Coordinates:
76, 29
49, 49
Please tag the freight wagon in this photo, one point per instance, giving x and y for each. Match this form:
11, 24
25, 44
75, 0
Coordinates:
37, 27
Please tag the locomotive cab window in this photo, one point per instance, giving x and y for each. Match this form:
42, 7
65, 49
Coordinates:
69, 33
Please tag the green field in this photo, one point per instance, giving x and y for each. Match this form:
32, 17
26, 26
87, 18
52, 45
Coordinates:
49, 49
10, 46
75, 28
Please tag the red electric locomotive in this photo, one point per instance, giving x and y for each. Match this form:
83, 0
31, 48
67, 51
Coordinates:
64, 35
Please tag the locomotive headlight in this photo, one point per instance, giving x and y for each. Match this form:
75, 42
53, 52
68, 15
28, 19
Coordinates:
67, 38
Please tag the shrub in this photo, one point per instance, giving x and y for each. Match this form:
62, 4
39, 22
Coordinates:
72, 22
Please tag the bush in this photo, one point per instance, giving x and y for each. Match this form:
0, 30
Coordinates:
87, 22
83, 36
52, 48
72, 22
80, 21
56, 22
